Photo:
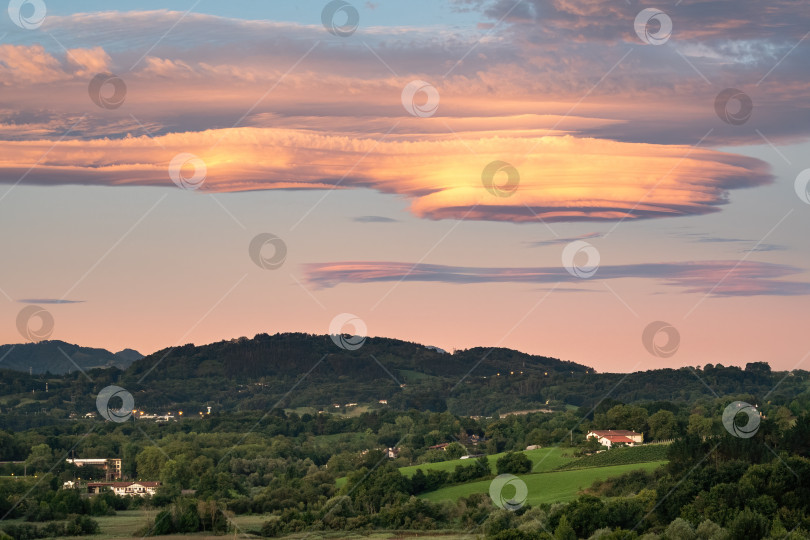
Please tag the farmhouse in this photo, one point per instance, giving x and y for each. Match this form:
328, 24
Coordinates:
124, 489
609, 437
442, 446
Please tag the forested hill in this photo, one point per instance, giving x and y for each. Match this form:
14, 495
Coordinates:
304, 370
264, 368
280, 355
59, 357
295, 370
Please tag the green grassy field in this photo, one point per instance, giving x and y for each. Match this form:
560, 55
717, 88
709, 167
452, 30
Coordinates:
543, 459
556, 486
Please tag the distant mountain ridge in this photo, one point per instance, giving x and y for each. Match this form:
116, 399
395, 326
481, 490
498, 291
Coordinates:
58, 357
311, 372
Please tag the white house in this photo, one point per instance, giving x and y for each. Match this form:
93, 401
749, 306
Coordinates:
125, 489
609, 437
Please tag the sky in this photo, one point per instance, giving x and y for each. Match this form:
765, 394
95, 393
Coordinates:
622, 184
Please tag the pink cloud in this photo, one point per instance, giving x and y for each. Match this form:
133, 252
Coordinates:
716, 278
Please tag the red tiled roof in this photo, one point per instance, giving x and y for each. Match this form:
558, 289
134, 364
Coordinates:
617, 438
609, 432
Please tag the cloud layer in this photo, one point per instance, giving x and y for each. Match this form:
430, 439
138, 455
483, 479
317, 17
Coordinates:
715, 278
597, 125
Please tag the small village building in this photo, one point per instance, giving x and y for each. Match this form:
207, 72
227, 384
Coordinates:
124, 489
609, 437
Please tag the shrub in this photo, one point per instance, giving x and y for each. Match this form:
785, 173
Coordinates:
513, 463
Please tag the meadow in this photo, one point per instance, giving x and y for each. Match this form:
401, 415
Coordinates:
543, 459
546, 487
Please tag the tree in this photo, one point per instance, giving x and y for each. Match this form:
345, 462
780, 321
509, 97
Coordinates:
455, 450
749, 525
176, 472
663, 425
627, 417
150, 460
709, 530
513, 463
679, 529
40, 458
698, 425
564, 530
592, 445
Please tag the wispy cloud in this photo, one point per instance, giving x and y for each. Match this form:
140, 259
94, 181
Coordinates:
705, 238
48, 301
718, 278
566, 240
374, 219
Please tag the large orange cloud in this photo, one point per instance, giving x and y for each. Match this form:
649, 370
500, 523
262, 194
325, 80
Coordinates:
317, 113
562, 178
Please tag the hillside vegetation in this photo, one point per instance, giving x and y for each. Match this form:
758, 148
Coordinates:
257, 374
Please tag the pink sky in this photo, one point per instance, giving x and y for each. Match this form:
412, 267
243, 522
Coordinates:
445, 182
